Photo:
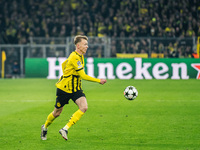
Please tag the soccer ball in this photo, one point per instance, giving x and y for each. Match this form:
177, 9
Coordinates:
130, 93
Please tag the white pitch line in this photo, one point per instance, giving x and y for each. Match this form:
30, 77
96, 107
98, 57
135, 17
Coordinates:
26, 100
104, 100
46, 100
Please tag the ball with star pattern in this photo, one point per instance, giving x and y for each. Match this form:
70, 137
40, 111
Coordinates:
130, 93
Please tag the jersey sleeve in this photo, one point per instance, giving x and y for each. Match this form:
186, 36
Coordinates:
77, 63
84, 76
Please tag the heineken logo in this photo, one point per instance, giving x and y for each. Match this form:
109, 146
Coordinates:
136, 68
125, 70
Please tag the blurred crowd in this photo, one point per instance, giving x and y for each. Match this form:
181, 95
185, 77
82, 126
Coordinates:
21, 19
132, 19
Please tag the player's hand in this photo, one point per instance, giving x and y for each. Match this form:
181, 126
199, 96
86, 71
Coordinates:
102, 81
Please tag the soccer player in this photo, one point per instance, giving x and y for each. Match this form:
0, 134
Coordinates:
69, 87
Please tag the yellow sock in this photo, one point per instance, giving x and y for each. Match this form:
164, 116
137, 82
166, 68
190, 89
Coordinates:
49, 120
75, 117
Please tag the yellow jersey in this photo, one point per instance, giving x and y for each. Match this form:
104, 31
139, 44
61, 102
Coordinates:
73, 73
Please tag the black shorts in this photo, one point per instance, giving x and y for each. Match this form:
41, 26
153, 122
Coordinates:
63, 98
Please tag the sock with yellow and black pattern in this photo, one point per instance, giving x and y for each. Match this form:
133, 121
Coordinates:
49, 120
75, 117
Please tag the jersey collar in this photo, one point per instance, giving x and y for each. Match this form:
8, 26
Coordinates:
78, 53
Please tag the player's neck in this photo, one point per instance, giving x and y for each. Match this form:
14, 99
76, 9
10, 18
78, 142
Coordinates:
78, 51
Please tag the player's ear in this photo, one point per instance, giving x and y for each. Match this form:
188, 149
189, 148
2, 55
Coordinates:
77, 45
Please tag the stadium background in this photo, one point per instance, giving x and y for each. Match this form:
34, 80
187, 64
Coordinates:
151, 28
164, 116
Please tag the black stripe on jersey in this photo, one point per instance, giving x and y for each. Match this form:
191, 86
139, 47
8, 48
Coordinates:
77, 83
74, 77
79, 69
82, 59
66, 76
80, 85
72, 83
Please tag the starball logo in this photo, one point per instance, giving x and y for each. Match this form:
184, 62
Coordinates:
197, 67
134, 68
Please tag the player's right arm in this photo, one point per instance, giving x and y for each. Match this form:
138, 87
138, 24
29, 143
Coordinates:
84, 76
102, 81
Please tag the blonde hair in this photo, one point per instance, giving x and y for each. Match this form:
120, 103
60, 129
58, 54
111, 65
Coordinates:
78, 38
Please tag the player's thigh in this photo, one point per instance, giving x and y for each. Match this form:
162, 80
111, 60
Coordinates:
82, 103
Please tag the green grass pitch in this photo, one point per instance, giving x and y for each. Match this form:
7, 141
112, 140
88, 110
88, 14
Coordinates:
165, 116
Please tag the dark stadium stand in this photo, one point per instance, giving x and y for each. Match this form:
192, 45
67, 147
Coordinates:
21, 19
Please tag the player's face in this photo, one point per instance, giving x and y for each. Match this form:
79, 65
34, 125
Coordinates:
83, 46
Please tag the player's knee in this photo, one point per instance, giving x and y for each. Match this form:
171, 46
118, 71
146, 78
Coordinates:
84, 109
56, 114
